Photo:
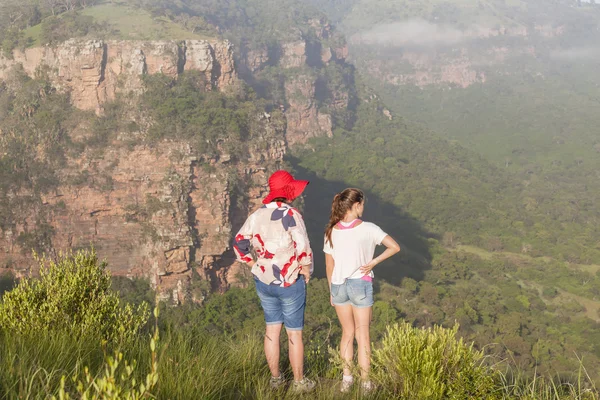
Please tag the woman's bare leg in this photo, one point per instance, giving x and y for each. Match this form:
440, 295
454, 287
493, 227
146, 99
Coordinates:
362, 320
296, 353
346, 318
272, 334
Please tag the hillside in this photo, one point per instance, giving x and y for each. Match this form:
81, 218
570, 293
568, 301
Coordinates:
119, 22
513, 81
215, 351
159, 150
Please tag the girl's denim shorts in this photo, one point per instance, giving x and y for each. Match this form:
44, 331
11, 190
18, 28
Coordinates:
356, 292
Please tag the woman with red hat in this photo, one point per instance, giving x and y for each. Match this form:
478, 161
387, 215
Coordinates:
274, 242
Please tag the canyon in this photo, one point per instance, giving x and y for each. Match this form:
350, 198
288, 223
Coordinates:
161, 211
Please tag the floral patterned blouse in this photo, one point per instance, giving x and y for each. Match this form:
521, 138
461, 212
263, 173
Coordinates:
277, 235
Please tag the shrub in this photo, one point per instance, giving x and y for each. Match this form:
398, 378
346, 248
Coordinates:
72, 295
550, 292
12, 39
414, 363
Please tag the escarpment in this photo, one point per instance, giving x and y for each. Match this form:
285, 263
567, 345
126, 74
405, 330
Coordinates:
161, 210
95, 71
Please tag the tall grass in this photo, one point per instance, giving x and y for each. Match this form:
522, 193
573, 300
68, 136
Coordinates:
514, 384
49, 358
192, 366
31, 367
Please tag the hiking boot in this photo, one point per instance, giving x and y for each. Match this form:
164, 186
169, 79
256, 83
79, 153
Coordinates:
276, 382
346, 386
304, 386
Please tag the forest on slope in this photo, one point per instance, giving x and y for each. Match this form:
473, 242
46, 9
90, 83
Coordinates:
513, 81
482, 246
531, 114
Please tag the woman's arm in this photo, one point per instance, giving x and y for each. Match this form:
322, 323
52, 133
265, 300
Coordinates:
392, 247
241, 244
329, 264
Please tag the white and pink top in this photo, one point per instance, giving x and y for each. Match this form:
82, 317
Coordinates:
353, 246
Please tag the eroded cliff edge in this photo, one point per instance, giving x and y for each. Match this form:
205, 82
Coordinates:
161, 211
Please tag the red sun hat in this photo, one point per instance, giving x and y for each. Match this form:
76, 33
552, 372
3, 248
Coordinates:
283, 184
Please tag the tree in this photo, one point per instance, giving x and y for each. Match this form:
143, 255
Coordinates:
52, 5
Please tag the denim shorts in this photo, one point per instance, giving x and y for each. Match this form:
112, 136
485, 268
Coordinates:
356, 292
283, 305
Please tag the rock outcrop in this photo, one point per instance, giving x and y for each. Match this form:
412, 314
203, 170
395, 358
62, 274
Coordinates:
303, 118
430, 69
293, 54
157, 212
256, 59
95, 71
163, 211
461, 64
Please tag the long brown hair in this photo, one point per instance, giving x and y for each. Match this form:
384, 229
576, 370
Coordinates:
341, 204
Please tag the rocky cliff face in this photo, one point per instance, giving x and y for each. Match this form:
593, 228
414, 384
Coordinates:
159, 211
463, 64
429, 69
95, 71
304, 120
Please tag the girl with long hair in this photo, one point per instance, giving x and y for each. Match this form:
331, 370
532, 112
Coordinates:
349, 249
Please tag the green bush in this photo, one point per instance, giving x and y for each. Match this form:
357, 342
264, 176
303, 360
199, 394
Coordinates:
72, 295
432, 363
550, 292
13, 39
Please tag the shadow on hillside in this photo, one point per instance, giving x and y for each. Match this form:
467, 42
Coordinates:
415, 256
7, 283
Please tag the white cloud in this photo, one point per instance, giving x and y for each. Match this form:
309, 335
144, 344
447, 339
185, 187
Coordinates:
412, 33
576, 54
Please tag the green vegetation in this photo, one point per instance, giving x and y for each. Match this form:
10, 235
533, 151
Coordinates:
35, 119
416, 164
118, 380
532, 119
449, 369
131, 23
71, 297
357, 15
557, 145
497, 295
43, 23
186, 109
251, 22
259, 23
57, 29
530, 129
190, 361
